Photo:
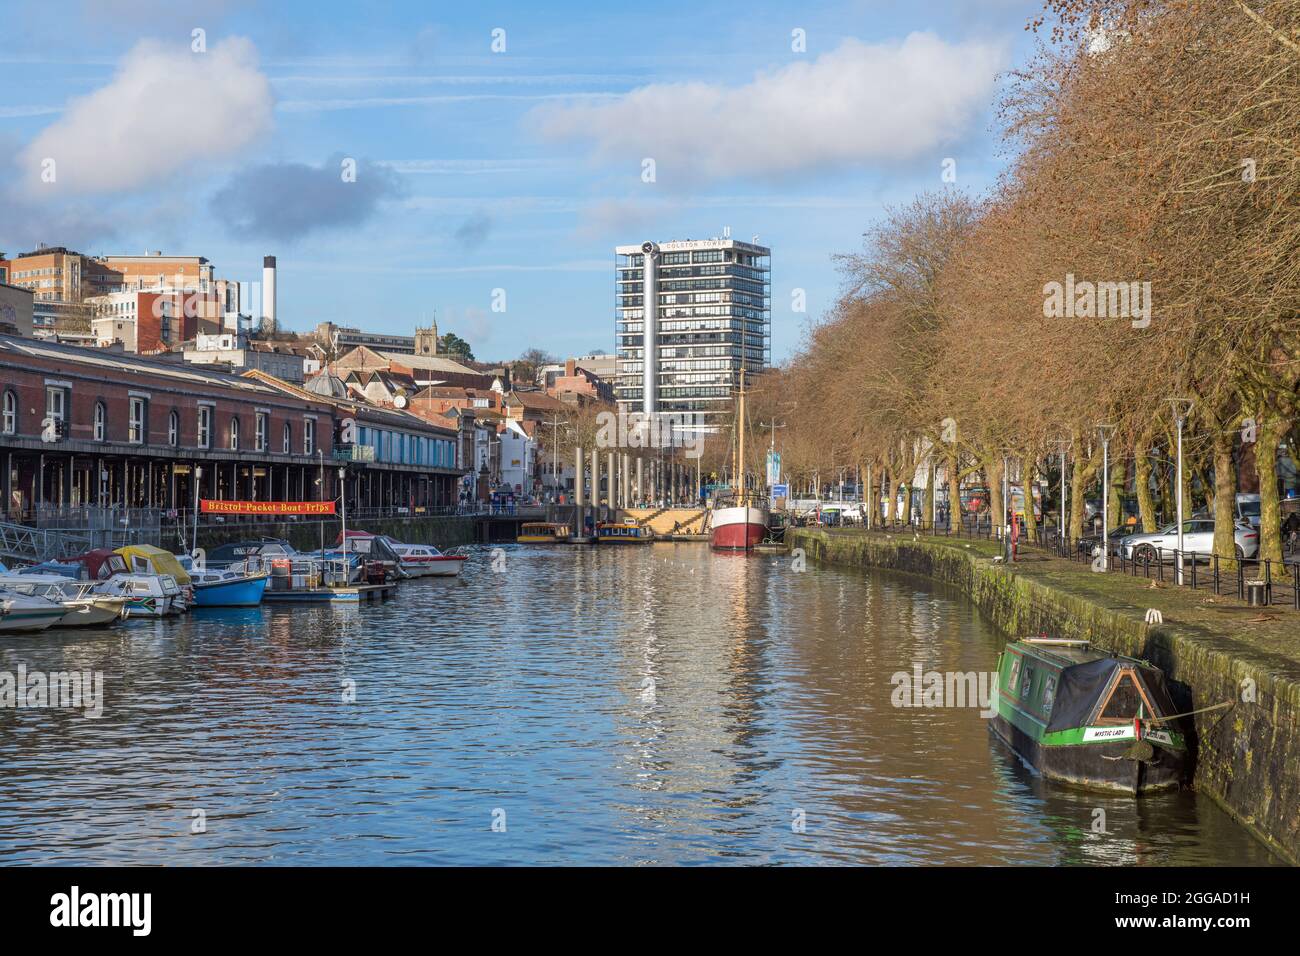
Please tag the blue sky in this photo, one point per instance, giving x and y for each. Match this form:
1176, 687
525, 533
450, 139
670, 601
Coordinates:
479, 170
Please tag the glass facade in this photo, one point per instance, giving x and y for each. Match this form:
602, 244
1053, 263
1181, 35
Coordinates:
714, 305
403, 448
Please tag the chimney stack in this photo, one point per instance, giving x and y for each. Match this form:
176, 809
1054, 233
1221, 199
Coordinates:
268, 294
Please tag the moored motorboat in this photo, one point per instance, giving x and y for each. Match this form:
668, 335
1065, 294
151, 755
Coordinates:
84, 607
543, 532
146, 595
220, 587
1089, 718
415, 560
623, 532
424, 560
147, 559
28, 612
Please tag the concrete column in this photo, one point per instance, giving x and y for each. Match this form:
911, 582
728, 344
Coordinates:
577, 478
622, 480
595, 483
611, 480
640, 497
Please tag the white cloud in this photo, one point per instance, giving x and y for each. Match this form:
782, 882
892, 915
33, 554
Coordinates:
861, 103
165, 110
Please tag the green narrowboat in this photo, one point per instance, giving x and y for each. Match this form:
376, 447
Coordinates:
1084, 717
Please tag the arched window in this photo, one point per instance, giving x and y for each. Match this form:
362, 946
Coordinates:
234, 433
288, 438
11, 412
101, 421
174, 428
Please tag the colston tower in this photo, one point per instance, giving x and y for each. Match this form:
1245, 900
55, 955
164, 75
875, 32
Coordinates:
689, 315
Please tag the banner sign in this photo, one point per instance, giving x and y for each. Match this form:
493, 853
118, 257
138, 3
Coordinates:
209, 506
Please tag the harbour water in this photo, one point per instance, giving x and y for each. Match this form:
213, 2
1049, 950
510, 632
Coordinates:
642, 705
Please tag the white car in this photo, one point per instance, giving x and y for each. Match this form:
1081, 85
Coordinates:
1198, 536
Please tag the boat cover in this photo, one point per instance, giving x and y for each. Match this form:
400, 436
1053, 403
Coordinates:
1082, 685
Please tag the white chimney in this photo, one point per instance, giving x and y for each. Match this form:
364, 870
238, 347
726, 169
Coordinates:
268, 292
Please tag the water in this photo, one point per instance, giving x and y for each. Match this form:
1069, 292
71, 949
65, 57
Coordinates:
638, 705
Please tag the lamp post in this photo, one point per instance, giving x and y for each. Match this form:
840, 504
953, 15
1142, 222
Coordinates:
320, 453
555, 437
1104, 432
343, 495
1182, 408
1063, 444
198, 474
1006, 510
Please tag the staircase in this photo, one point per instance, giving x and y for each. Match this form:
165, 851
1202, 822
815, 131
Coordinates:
18, 542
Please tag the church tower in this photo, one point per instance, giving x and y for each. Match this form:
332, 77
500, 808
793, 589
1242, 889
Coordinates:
426, 340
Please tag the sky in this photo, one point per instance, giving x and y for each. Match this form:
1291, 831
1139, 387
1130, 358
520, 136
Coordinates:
479, 162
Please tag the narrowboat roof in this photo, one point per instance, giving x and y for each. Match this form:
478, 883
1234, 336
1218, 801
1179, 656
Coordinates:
1070, 654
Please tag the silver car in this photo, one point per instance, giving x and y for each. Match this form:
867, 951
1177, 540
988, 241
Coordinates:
1198, 536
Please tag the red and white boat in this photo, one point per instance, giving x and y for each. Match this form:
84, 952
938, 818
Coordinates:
739, 526
416, 560
739, 523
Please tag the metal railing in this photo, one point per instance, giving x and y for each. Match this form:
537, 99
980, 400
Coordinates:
1255, 581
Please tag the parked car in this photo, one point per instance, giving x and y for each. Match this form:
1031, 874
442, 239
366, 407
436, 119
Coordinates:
1091, 543
1198, 536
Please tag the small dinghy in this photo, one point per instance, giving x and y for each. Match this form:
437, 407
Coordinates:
1085, 717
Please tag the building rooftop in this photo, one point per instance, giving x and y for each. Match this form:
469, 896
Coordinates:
115, 361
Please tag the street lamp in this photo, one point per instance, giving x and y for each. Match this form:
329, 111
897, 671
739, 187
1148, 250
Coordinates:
1064, 444
1104, 432
198, 474
1182, 408
343, 495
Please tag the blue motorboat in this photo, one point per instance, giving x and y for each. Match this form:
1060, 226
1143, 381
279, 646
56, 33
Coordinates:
222, 588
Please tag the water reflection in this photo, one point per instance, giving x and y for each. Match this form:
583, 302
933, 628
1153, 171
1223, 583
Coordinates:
645, 705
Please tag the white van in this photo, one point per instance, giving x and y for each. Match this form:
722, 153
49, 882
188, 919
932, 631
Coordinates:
1248, 509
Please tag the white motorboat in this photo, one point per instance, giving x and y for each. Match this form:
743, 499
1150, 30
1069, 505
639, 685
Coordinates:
85, 607
28, 612
146, 595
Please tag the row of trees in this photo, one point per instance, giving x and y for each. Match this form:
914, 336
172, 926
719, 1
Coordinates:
1142, 247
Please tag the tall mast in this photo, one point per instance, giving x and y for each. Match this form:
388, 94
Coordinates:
744, 489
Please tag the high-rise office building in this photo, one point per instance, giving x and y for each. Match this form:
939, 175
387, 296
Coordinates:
711, 317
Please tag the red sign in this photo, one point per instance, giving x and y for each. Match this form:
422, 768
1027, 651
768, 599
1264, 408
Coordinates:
209, 506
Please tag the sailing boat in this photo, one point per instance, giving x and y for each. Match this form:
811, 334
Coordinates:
740, 520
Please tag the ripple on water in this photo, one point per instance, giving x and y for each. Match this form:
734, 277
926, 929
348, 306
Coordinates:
640, 706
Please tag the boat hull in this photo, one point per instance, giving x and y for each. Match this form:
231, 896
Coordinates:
94, 613
30, 619
1099, 765
739, 528
237, 592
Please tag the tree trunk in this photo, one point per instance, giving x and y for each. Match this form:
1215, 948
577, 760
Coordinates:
1142, 479
1225, 493
869, 502
1027, 487
932, 472
1118, 483
1268, 437
997, 506
891, 495
954, 490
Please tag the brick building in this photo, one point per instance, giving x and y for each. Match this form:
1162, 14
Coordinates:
136, 429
